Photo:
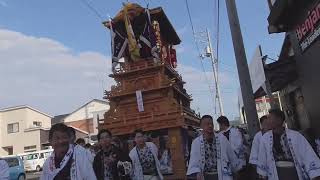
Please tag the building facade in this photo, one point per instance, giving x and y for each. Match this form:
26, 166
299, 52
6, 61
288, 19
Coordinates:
86, 117
23, 129
300, 21
263, 105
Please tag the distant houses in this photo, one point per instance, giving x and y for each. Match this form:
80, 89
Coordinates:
26, 129
23, 129
85, 118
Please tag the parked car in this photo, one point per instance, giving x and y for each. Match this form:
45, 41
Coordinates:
33, 161
16, 168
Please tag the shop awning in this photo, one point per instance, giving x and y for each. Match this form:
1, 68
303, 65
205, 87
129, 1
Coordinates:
279, 74
284, 13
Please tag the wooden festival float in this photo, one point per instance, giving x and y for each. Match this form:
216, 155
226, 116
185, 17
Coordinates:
149, 93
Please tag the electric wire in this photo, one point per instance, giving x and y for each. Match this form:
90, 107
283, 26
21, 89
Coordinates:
197, 47
86, 3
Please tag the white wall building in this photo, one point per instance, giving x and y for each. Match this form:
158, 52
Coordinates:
23, 129
85, 117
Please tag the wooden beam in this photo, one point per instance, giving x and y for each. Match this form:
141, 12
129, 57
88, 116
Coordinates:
177, 153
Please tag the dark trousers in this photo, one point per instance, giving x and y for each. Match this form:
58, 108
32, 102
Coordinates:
211, 177
244, 174
206, 177
287, 173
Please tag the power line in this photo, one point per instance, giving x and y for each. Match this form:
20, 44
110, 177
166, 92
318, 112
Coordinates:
145, 1
190, 19
197, 46
86, 3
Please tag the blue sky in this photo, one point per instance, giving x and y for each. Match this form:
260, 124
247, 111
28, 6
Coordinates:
62, 57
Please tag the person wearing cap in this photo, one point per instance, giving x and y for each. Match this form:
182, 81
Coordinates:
285, 153
212, 157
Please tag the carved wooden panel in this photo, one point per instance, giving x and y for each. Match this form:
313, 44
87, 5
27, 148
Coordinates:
145, 83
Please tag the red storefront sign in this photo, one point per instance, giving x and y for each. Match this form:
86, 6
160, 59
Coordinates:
309, 30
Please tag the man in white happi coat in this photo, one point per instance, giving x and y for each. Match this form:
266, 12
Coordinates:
72, 138
317, 142
285, 154
256, 140
145, 162
212, 157
235, 138
67, 161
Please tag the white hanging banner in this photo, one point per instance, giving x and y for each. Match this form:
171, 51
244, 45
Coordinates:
240, 100
257, 75
139, 101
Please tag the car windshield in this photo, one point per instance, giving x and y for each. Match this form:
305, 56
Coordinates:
31, 157
12, 162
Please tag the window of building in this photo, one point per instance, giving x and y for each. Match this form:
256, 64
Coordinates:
30, 148
37, 123
9, 150
13, 128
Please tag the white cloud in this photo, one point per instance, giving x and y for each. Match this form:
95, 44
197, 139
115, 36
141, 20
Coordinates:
44, 73
198, 86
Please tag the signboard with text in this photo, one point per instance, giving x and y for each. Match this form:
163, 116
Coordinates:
309, 31
139, 101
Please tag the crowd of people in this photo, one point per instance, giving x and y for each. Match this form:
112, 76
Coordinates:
108, 160
276, 153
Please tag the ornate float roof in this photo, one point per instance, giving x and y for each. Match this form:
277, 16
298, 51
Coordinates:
157, 14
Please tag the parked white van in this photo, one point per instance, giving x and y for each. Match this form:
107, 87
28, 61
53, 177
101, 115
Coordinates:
33, 161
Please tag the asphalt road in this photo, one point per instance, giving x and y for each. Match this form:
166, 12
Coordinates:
33, 175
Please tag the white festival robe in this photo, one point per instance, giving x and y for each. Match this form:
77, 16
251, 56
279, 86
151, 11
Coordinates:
317, 141
236, 141
137, 168
81, 167
255, 149
227, 161
305, 160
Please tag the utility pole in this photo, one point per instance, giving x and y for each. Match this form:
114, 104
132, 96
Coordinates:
209, 53
87, 120
243, 70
